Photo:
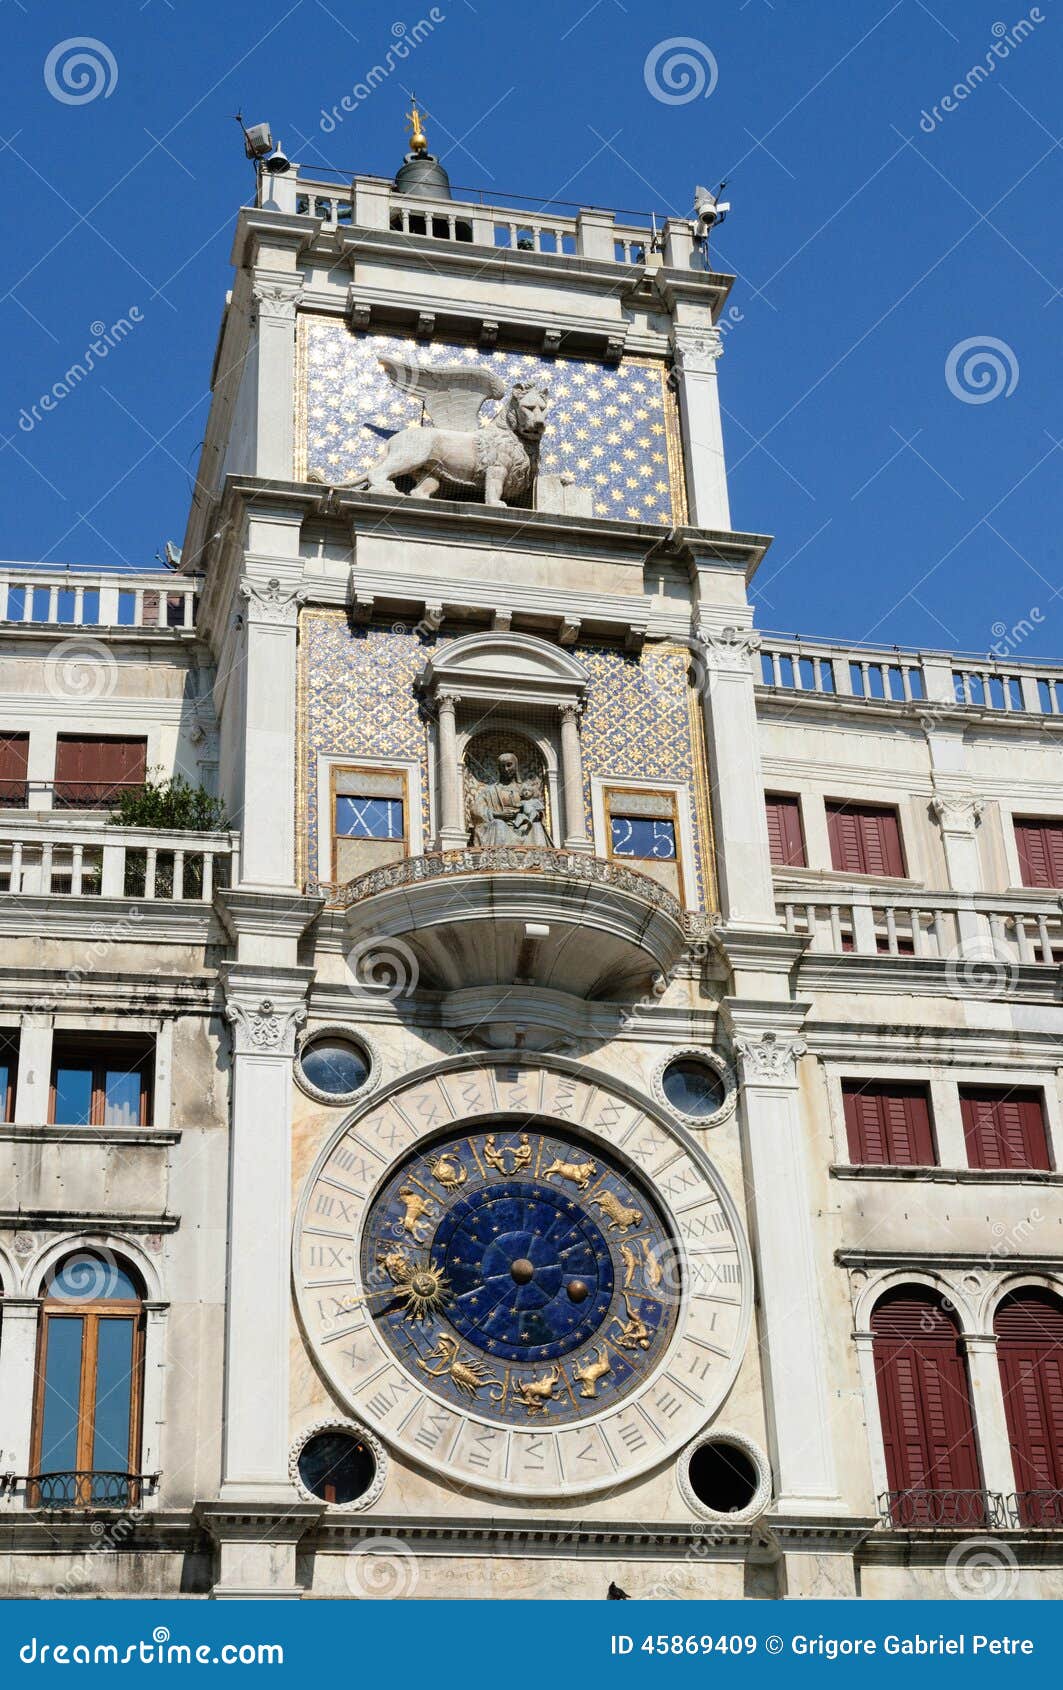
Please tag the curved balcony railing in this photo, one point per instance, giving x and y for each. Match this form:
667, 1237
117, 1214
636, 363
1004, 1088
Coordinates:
531, 860
942, 1510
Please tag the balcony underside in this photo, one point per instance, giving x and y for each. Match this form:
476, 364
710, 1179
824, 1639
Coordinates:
500, 918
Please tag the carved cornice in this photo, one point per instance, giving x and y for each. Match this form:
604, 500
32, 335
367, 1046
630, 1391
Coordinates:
270, 604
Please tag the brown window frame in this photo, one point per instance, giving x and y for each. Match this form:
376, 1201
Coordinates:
101, 1057
15, 786
1029, 1096
899, 1091
858, 808
342, 771
91, 1314
99, 793
1047, 825
669, 796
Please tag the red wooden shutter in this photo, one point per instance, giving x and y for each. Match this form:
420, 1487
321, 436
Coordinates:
924, 1401
888, 1124
14, 767
88, 771
1004, 1127
785, 835
865, 839
1040, 846
1029, 1329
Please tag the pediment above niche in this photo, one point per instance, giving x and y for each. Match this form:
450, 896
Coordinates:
509, 666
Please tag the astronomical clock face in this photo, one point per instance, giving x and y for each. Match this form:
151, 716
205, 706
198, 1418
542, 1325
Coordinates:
521, 1278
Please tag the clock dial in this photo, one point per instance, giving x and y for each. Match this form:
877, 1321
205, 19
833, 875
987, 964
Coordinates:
522, 1274
548, 1278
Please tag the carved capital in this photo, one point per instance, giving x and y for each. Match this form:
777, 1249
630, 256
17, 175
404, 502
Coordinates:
447, 699
270, 604
275, 300
266, 1027
769, 1057
955, 812
570, 713
727, 651
697, 350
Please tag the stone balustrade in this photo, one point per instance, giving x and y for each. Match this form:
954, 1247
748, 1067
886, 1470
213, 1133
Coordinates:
920, 679
89, 599
82, 859
967, 929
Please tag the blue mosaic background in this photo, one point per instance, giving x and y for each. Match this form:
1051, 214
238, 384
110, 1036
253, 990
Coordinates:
607, 426
359, 701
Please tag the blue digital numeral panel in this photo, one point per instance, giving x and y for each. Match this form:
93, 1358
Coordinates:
643, 836
369, 818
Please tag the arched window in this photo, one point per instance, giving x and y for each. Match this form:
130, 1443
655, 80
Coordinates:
932, 1464
90, 1365
1029, 1329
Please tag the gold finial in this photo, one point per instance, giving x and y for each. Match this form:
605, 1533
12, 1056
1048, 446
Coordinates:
418, 138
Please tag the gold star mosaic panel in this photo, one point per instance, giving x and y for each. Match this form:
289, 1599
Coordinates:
358, 699
614, 429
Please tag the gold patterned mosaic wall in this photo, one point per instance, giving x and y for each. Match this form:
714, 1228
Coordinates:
614, 429
357, 699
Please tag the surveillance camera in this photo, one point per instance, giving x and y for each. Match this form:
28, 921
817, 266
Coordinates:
278, 161
709, 209
258, 140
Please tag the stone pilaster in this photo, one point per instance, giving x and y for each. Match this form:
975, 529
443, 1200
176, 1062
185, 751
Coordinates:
276, 294
743, 856
271, 597
572, 780
697, 350
768, 1045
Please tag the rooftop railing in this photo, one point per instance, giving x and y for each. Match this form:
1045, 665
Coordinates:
976, 932
891, 675
79, 859
63, 597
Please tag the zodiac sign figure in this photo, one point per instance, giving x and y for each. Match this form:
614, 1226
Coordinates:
448, 1171
470, 1375
416, 1210
580, 1173
620, 1216
522, 1155
589, 1374
652, 1271
495, 1155
423, 1289
631, 1264
634, 1334
534, 1394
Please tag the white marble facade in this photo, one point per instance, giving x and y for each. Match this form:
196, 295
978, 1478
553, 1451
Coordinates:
351, 643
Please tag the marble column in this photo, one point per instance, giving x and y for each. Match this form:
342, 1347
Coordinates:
572, 780
276, 293
452, 833
801, 1409
987, 1408
269, 715
266, 1007
743, 855
697, 349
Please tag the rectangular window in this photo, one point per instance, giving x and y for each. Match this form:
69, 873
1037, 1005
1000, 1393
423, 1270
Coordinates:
1004, 1127
643, 836
865, 839
642, 829
90, 772
369, 818
14, 770
888, 1124
1040, 846
8, 1075
785, 833
101, 1084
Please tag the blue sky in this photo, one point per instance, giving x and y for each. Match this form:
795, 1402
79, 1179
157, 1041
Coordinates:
912, 484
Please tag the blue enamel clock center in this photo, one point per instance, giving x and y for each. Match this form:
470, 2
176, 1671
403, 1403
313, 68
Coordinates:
526, 1276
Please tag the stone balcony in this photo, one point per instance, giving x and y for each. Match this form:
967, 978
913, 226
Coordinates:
545, 919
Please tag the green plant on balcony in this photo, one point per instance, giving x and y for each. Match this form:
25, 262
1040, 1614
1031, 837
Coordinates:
169, 804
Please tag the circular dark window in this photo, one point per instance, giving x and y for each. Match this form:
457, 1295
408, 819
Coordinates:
334, 1066
693, 1088
336, 1466
723, 1477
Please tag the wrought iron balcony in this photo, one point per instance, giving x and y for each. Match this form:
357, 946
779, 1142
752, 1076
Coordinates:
943, 1510
85, 1488
1040, 1510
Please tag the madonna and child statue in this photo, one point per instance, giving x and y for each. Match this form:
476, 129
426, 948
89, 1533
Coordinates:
509, 810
